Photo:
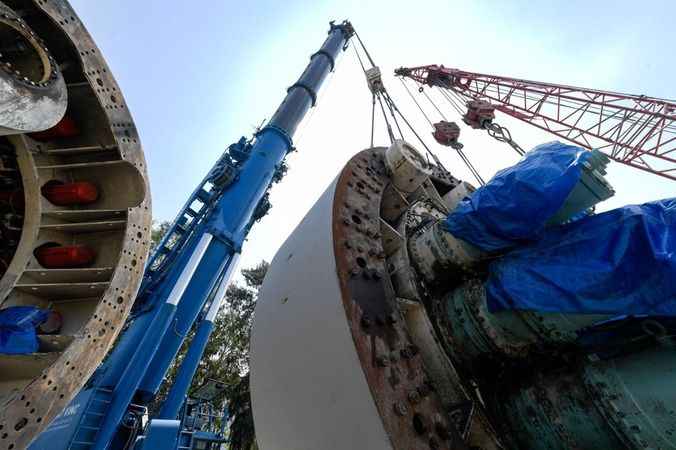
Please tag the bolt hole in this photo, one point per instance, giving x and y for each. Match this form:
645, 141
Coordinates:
361, 262
21, 423
356, 219
419, 424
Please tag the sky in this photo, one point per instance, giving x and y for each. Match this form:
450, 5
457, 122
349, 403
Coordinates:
198, 75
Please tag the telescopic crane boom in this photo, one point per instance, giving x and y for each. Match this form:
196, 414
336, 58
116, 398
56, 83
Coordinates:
184, 280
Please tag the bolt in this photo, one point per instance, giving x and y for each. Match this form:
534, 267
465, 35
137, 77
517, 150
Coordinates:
413, 397
400, 409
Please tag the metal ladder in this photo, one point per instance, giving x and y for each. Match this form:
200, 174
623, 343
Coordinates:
90, 421
185, 440
180, 230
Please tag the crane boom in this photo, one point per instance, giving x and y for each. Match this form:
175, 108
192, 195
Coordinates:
634, 130
186, 277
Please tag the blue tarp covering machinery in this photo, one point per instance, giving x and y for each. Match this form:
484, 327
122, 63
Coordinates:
17, 329
550, 184
621, 262
391, 319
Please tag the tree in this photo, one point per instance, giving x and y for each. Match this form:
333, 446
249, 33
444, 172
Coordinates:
226, 356
157, 233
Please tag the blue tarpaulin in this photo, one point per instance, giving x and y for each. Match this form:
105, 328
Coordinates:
621, 262
17, 329
515, 205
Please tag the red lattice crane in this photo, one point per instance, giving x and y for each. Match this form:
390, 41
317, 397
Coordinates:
635, 130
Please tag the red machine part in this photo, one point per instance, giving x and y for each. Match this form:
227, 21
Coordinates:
55, 256
68, 194
478, 113
446, 133
53, 323
635, 130
65, 128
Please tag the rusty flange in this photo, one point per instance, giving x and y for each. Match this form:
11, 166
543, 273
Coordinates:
94, 301
412, 413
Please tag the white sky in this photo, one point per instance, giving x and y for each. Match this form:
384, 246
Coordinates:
198, 75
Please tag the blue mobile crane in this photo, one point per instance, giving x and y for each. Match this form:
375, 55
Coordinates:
184, 283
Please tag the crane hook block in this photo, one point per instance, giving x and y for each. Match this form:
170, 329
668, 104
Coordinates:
479, 113
374, 80
447, 133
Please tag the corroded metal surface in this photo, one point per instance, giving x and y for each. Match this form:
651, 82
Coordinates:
94, 301
412, 413
33, 93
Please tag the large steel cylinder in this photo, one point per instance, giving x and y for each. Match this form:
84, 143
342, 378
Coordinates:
355, 344
337, 359
615, 403
74, 208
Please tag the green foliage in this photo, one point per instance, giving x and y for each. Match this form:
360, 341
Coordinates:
157, 233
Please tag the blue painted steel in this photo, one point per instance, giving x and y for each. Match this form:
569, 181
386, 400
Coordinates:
128, 382
161, 435
176, 396
177, 393
137, 365
234, 212
67, 429
201, 281
216, 261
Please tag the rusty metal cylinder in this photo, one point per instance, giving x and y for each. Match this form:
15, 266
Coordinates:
620, 402
477, 331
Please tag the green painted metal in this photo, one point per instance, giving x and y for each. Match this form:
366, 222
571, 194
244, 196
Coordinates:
477, 331
592, 188
627, 401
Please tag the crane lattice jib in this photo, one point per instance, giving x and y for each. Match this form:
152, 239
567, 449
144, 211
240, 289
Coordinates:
635, 130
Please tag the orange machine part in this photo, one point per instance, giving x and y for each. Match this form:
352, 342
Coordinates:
68, 194
65, 128
64, 256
